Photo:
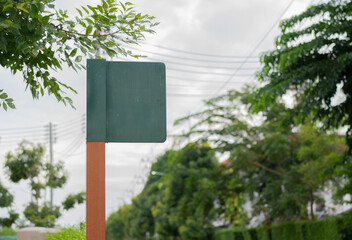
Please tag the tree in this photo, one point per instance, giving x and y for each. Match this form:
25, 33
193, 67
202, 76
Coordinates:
27, 163
186, 209
142, 219
178, 203
36, 38
269, 156
313, 59
6, 200
117, 224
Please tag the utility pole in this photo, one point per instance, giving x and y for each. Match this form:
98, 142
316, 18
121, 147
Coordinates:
51, 158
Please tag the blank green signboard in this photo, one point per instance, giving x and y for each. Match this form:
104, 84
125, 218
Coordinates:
126, 101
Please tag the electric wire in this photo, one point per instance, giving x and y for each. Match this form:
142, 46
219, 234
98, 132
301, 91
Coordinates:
193, 53
188, 59
255, 47
206, 73
196, 66
196, 80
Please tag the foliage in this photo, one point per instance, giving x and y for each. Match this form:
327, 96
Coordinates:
42, 216
223, 234
188, 201
269, 156
6, 200
344, 223
178, 203
263, 233
69, 233
117, 224
312, 59
73, 199
27, 163
328, 229
35, 38
6, 231
6, 101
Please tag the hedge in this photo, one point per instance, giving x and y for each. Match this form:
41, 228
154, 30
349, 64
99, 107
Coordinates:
7, 232
337, 228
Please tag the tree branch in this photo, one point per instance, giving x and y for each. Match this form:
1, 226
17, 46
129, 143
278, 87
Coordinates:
268, 169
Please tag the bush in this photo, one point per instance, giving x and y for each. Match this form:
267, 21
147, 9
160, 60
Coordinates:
322, 230
263, 233
287, 231
224, 234
69, 233
344, 224
338, 228
7, 232
238, 234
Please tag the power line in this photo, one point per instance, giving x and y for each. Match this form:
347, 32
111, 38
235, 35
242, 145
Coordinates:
186, 95
207, 73
192, 65
256, 47
194, 53
21, 129
188, 59
198, 80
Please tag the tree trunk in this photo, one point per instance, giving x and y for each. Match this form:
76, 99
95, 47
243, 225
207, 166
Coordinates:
311, 202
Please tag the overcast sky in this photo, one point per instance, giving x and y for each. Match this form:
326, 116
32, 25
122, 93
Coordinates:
208, 47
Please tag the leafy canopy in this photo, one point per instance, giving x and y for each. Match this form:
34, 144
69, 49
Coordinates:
27, 163
313, 58
36, 38
269, 156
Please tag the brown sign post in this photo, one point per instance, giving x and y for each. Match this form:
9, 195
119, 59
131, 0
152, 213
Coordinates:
126, 102
95, 190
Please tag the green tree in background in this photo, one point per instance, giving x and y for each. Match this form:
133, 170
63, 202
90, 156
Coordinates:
272, 161
142, 219
6, 200
27, 163
117, 224
313, 59
35, 38
177, 203
188, 199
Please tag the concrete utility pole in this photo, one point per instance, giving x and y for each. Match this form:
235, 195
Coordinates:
51, 159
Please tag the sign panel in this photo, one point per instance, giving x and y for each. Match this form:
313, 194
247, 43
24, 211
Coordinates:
126, 101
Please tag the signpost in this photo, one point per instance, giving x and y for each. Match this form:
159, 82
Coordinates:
126, 102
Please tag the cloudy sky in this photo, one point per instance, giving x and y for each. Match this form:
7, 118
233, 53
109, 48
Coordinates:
208, 47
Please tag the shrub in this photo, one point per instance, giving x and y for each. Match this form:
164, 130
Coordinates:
7, 232
322, 230
263, 233
337, 228
238, 234
344, 225
224, 234
253, 234
287, 231
69, 233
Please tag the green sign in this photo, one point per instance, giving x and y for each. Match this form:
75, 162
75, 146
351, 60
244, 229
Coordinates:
126, 101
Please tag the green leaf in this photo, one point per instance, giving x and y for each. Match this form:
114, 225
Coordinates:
83, 24
11, 105
80, 12
85, 9
7, 6
4, 24
73, 52
4, 106
21, 7
3, 96
78, 59
89, 30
